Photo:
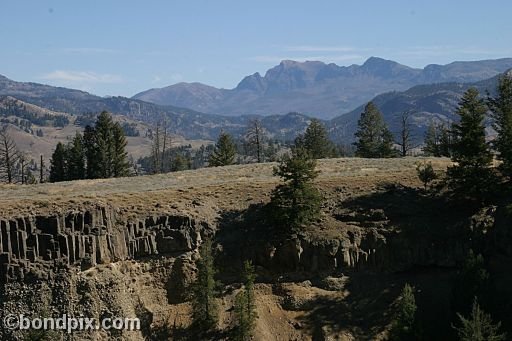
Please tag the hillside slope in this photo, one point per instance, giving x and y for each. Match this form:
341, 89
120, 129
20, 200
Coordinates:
426, 103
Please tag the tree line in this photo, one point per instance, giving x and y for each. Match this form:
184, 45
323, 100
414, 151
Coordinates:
99, 153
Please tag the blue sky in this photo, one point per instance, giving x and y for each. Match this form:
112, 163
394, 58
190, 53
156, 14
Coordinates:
123, 47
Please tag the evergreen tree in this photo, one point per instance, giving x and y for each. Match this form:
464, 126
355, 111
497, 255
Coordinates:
76, 158
180, 163
438, 140
59, 164
105, 151
296, 201
432, 141
120, 164
501, 108
224, 152
316, 141
479, 326
403, 324
245, 308
105, 144
30, 179
91, 153
471, 281
426, 173
204, 304
471, 176
374, 140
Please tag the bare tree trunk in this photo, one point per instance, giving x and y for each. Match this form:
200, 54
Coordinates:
9, 156
405, 134
254, 136
156, 150
22, 164
41, 170
162, 165
258, 142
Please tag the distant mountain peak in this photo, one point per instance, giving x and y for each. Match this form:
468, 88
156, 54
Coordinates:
377, 62
318, 89
253, 82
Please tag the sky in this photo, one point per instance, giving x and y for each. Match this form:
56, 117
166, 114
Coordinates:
115, 47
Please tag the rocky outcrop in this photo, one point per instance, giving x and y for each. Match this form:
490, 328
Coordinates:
31, 246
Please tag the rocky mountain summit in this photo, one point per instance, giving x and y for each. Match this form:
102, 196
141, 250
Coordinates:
317, 89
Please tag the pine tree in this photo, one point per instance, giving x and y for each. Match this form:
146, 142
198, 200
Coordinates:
224, 153
120, 164
296, 201
446, 141
471, 281
374, 140
316, 141
103, 131
105, 151
204, 304
471, 176
403, 324
180, 163
479, 326
76, 158
432, 141
59, 164
245, 308
426, 173
438, 140
501, 108
91, 153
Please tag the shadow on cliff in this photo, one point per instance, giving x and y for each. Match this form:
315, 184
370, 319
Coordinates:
245, 235
369, 304
413, 211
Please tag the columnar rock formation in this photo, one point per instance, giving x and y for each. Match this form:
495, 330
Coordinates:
29, 245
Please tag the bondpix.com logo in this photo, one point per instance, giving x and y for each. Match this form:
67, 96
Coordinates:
69, 324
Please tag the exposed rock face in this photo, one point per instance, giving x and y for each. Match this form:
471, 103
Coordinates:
372, 249
30, 246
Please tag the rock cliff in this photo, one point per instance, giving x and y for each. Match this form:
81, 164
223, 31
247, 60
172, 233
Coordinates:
30, 246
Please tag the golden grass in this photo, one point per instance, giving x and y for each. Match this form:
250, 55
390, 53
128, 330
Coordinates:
221, 187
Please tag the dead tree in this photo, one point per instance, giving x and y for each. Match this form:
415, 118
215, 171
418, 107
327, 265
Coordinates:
254, 136
9, 156
41, 170
166, 144
156, 150
405, 136
23, 164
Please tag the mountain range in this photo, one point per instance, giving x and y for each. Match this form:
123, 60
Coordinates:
427, 102
317, 89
